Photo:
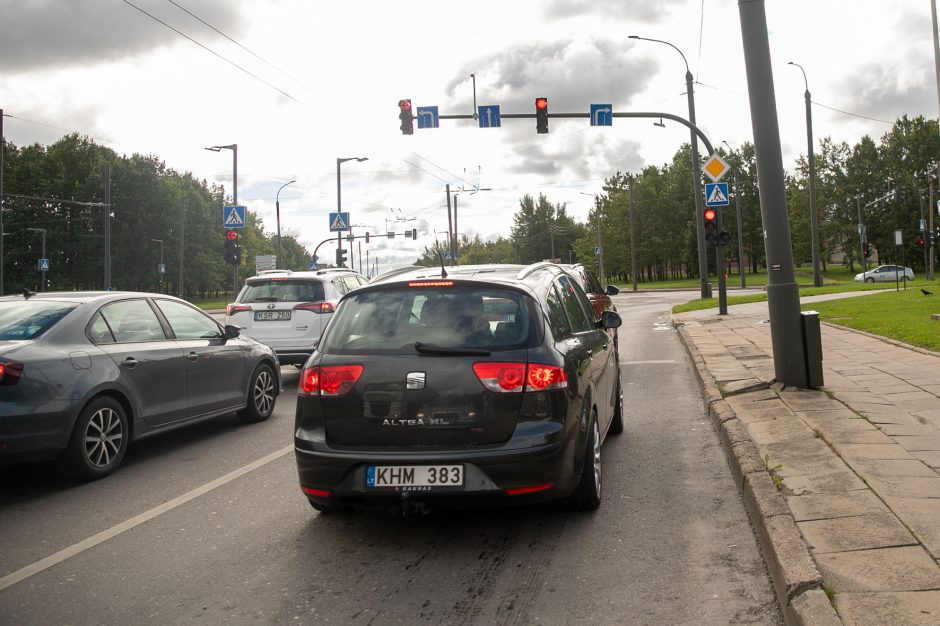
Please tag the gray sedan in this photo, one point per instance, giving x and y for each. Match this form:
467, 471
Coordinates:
885, 274
82, 374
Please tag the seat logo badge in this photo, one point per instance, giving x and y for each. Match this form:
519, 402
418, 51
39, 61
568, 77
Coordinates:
414, 380
271, 305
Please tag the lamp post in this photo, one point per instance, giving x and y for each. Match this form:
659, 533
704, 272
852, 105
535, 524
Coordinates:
160, 269
813, 225
234, 148
42, 279
277, 206
339, 193
737, 212
696, 174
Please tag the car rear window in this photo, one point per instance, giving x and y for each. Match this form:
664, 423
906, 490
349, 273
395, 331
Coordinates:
29, 320
282, 290
391, 321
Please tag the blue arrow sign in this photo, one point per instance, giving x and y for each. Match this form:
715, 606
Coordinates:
43, 265
233, 217
489, 116
716, 194
427, 117
339, 221
601, 115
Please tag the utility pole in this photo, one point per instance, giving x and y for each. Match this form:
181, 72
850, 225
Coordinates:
600, 248
182, 238
931, 209
450, 226
2, 141
454, 246
783, 295
107, 226
633, 271
861, 235
737, 211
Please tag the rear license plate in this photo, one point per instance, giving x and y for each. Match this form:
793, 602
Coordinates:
268, 316
429, 476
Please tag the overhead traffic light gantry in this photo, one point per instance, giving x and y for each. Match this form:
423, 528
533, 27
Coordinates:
404, 114
541, 115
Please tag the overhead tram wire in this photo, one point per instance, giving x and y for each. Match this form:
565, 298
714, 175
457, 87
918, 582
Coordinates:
253, 75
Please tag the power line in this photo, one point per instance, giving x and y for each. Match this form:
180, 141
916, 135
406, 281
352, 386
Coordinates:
64, 130
864, 117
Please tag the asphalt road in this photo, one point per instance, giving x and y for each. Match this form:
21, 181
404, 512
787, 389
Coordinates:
208, 525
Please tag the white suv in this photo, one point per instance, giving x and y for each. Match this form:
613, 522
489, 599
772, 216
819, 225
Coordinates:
288, 310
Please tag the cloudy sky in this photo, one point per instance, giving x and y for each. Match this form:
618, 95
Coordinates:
298, 83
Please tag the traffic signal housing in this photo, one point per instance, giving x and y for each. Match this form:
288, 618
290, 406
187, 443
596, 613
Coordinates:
414, 234
340, 257
711, 226
233, 253
866, 250
404, 114
541, 115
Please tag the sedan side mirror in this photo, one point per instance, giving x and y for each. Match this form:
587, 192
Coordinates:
610, 319
231, 331
612, 291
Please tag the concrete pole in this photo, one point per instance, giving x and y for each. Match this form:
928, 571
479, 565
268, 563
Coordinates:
737, 210
931, 208
600, 247
861, 236
783, 295
2, 141
107, 226
450, 226
633, 272
182, 248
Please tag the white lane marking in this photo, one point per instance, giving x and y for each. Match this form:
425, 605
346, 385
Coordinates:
85, 544
660, 362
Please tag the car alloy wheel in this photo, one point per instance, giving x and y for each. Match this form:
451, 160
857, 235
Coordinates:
99, 441
597, 460
587, 495
261, 395
104, 437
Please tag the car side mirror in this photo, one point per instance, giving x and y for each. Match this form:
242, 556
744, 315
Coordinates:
610, 319
612, 291
231, 331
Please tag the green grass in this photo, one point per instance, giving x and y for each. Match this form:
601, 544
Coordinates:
211, 303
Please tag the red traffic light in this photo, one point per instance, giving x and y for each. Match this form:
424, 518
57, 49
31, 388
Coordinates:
710, 215
541, 103
231, 235
405, 105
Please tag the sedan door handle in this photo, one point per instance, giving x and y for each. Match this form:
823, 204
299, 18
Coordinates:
192, 356
130, 362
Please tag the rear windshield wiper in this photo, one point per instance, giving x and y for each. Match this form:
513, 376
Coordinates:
266, 299
430, 348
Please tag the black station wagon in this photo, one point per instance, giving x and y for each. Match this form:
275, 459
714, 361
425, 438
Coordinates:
458, 387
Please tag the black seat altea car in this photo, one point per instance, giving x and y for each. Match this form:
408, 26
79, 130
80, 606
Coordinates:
470, 386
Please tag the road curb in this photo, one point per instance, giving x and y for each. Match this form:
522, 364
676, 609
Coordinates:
797, 583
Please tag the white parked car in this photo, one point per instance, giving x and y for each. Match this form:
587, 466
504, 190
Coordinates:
885, 274
288, 310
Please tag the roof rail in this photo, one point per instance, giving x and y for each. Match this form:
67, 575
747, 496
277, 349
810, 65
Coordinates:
398, 271
327, 270
534, 268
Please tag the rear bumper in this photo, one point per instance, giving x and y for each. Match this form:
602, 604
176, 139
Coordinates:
30, 432
288, 356
487, 475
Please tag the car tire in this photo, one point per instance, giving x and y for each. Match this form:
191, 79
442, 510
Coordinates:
869, 280
98, 442
587, 495
616, 422
261, 395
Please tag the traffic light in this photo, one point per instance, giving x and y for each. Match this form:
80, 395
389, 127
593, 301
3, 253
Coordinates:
414, 234
233, 253
866, 250
920, 240
711, 226
340, 258
367, 237
541, 115
724, 238
407, 122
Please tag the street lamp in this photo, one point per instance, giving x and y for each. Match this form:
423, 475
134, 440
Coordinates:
277, 205
234, 148
42, 281
339, 195
696, 175
160, 269
814, 230
737, 212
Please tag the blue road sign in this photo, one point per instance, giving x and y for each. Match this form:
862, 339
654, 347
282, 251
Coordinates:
597, 250
339, 221
447, 256
716, 194
489, 116
161, 268
427, 117
601, 115
43, 265
233, 217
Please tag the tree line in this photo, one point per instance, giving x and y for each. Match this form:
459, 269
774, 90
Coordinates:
59, 191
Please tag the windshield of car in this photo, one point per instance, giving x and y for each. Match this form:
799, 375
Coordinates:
29, 320
395, 321
282, 290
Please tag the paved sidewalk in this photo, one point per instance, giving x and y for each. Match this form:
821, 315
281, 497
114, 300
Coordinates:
842, 484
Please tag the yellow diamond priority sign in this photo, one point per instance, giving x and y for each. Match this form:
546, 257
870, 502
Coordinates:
715, 167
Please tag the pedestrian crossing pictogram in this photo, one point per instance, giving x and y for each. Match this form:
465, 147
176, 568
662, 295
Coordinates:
716, 194
233, 217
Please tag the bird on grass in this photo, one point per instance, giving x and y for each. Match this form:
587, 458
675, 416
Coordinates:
926, 293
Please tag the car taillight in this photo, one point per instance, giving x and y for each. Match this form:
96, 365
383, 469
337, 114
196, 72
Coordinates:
234, 307
514, 377
10, 373
316, 307
335, 380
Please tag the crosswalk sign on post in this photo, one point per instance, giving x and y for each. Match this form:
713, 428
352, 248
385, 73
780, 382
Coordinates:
716, 194
233, 217
43, 265
339, 221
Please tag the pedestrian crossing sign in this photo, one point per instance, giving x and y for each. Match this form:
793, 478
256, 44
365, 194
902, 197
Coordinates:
339, 221
233, 217
716, 194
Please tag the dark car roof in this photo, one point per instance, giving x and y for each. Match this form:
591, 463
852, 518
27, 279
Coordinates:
82, 297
